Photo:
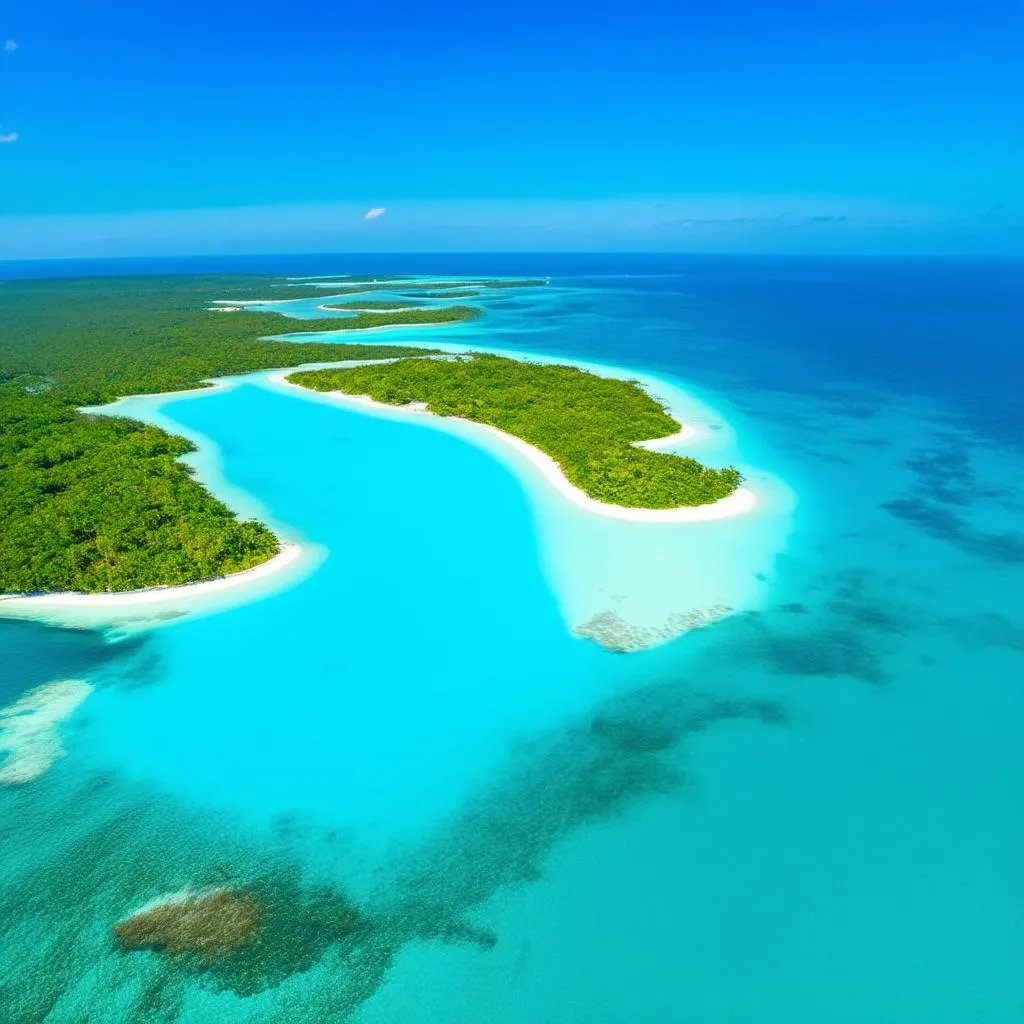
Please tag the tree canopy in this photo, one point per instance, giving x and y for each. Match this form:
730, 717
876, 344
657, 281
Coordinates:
587, 423
94, 503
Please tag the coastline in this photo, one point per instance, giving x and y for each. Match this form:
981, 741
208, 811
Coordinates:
159, 605
684, 433
369, 330
625, 579
741, 501
238, 305
131, 611
168, 601
369, 309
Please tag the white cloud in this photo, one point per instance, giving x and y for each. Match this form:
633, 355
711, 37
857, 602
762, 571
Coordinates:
10, 46
669, 224
377, 211
9, 137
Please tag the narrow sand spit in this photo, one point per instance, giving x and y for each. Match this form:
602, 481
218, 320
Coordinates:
29, 729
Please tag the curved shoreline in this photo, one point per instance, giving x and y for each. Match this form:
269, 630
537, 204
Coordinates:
156, 599
162, 604
742, 500
370, 309
238, 305
370, 330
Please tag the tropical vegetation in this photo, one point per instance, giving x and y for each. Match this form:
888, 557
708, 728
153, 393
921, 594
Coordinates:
455, 293
363, 320
587, 423
423, 287
367, 305
93, 503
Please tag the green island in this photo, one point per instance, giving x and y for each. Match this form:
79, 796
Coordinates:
98, 503
403, 316
367, 305
445, 286
438, 289
457, 293
95, 503
588, 424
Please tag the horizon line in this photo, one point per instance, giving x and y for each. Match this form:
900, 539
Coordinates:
546, 253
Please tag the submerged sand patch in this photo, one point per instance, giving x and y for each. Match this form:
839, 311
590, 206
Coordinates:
29, 729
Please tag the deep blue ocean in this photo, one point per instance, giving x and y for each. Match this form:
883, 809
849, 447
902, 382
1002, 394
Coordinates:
809, 811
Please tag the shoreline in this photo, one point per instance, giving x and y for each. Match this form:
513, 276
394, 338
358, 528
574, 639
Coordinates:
159, 605
370, 309
167, 601
684, 433
741, 501
370, 330
238, 306
153, 597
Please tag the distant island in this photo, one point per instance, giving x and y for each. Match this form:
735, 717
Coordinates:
400, 316
589, 425
436, 289
455, 293
365, 305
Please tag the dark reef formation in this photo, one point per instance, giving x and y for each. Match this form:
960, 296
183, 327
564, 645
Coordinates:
248, 938
208, 925
251, 919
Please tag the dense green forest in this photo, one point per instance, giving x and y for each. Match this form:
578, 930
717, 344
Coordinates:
398, 317
283, 290
95, 503
456, 293
437, 289
586, 423
527, 283
368, 305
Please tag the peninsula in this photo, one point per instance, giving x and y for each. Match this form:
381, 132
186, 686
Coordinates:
589, 425
94, 504
428, 289
97, 503
401, 316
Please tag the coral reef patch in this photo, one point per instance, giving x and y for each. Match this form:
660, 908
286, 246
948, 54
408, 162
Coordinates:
249, 921
247, 937
614, 633
206, 924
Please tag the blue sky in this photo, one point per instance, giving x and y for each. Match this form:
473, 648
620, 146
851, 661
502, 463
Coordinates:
724, 125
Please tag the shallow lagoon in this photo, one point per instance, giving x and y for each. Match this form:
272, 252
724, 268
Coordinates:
809, 811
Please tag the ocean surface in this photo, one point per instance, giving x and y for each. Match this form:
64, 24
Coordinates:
808, 811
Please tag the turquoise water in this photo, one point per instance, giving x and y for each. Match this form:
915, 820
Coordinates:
809, 811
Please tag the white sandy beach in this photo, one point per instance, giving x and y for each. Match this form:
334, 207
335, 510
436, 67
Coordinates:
369, 309
153, 599
371, 330
136, 609
626, 578
684, 433
236, 305
623, 578
741, 501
